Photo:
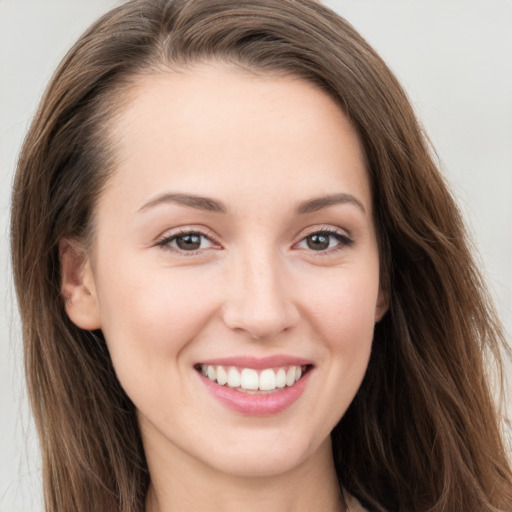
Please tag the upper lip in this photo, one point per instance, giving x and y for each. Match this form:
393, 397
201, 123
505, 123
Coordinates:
258, 363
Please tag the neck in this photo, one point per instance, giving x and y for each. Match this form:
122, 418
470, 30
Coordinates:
190, 486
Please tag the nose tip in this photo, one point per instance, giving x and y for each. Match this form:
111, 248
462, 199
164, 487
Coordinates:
260, 304
257, 326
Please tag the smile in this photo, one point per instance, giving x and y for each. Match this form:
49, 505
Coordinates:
250, 380
254, 386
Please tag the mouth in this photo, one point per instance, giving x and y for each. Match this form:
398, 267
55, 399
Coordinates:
251, 380
255, 387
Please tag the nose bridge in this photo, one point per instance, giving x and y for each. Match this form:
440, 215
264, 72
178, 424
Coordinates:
259, 300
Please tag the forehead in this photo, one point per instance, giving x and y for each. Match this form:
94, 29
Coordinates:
211, 128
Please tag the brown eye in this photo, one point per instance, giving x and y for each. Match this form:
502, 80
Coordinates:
188, 242
184, 242
325, 241
318, 241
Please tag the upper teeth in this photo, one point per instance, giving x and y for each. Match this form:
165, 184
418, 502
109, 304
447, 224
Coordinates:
249, 378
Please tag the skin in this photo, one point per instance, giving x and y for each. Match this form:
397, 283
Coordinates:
262, 146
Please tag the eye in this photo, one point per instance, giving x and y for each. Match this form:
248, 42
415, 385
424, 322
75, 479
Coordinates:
187, 241
324, 240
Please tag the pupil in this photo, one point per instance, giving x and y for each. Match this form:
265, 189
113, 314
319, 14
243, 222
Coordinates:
318, 241
189, 242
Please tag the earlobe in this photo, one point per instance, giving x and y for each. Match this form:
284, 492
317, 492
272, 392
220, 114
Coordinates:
382, 305
77, 286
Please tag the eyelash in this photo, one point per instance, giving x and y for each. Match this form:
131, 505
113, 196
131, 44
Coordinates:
165, 242
343, 239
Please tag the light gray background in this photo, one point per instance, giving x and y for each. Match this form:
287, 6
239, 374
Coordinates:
453, 57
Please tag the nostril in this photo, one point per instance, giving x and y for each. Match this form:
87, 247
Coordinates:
261, 325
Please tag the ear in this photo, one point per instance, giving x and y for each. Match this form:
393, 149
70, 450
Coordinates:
382, 304
77, 286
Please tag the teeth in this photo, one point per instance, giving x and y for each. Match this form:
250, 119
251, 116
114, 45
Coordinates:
290, 376
211, 373
222, 376
281, 378
267, 380
233, 378
250, 380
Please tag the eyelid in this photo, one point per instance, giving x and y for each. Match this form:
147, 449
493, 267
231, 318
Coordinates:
324, 228
343, 235
164, 240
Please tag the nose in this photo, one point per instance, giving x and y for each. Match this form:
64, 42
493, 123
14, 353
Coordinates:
260, 300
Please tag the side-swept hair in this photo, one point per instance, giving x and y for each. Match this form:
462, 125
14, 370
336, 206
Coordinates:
422, 432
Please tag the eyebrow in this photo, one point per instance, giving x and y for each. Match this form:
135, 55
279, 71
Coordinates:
314, 205
213, 205
199, 202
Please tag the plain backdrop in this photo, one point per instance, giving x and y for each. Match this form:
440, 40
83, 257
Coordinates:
454, 59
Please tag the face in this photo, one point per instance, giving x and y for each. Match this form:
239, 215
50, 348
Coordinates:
235, 269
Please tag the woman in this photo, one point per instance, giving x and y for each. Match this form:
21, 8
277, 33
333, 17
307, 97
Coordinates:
242, 279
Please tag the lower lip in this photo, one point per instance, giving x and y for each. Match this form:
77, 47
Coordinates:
256, 404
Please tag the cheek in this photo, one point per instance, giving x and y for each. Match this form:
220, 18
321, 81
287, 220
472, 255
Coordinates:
148, 318
348, 333
342, 313
343, 310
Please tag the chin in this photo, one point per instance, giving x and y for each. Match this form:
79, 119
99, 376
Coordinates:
261, 459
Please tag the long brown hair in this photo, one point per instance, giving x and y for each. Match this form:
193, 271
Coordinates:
423, 431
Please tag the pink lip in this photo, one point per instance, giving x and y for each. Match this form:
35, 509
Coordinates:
256, 404
257, 363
